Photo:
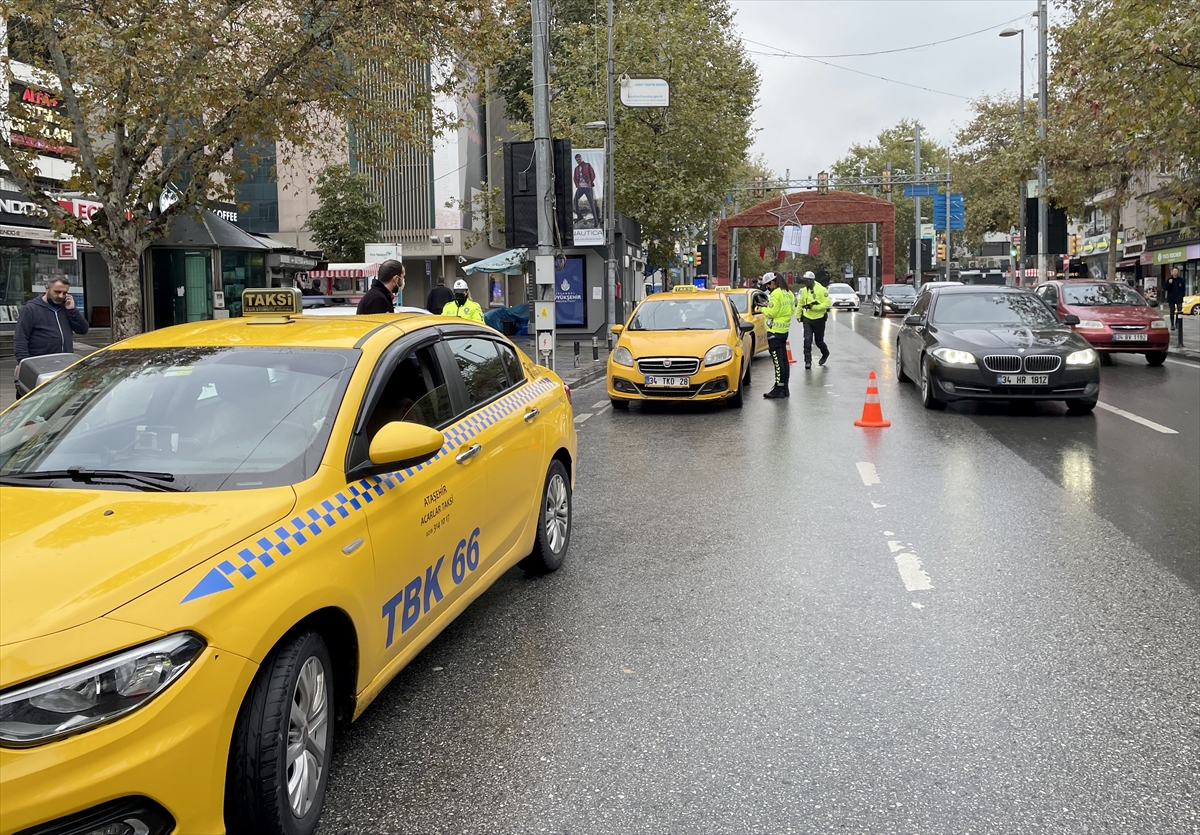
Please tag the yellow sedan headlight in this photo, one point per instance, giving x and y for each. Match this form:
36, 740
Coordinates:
623, 356
718, 354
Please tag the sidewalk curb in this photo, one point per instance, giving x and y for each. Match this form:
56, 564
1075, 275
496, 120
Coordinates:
588, 376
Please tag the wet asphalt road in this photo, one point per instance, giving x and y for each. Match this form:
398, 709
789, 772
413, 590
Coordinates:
772, 621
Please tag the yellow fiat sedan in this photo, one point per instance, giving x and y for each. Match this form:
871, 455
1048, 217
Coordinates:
220, 541
689, 344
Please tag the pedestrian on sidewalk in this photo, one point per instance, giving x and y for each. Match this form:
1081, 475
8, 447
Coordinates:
780, 304
813, 310
1174, 292
439, 297
47, 322
381, 298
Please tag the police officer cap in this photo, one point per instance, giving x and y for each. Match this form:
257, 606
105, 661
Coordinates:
460, 285
768, 278
809, 274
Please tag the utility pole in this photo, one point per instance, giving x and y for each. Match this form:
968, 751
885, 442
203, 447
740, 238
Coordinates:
917, 211
1043, 220
610, 188
947, 214
543, 151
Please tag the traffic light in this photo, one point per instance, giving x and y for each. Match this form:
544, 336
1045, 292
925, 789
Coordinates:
696, 258
760, 190
941, 252
887, 181
823, 183
1012, 251
1073, 245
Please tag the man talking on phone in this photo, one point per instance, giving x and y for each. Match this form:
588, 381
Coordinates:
47, 322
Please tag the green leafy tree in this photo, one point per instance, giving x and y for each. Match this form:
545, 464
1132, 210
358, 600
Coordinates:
159, 94
674, 165
349, 216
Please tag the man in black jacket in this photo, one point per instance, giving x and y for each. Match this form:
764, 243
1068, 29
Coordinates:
381, 298
47, 322
1174, 292
439, 297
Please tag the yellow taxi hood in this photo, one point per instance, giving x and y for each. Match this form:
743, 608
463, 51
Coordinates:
65, 559
672, 343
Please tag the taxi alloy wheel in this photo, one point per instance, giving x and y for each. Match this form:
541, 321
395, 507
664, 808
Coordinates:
283, 743
554, 523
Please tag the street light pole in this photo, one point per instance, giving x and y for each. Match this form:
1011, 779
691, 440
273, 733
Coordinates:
1008, 33
1043, 220
610, 185
917, 210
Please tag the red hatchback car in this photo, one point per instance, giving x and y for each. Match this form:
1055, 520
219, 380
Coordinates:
1112, 316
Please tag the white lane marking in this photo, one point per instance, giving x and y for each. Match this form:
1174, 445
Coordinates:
895, 545
918, 605
866, 471
603, 408
914, 576
601, 404
1183, 362
877, 505
1157, 427
583, 417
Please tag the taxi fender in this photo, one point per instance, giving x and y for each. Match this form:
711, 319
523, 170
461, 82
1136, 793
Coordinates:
252, 617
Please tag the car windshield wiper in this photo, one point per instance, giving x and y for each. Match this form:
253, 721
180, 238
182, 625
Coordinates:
145, 480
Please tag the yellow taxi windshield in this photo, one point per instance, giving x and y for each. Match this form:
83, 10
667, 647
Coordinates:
680, 315
195, 418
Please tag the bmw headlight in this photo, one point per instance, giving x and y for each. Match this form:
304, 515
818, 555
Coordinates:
718, 354
1090, 325
953, 357
1159, 324
1085, 357
623, 356
97, 692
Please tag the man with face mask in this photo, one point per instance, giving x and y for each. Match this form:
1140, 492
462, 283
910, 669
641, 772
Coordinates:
381, 298
462, 307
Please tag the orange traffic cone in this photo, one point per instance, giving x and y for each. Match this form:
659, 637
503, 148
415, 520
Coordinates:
872, 415
788, 344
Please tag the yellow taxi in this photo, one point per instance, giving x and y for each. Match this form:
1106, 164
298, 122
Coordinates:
220, 541
688, 344
1191, 306
749, 303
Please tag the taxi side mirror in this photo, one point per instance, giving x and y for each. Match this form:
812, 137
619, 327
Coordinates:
398, 445
745, 327
617, 329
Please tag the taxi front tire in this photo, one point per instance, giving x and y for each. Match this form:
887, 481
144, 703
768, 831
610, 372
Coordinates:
283, 743
554, 523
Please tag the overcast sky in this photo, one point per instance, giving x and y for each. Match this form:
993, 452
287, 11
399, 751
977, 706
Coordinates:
809, 113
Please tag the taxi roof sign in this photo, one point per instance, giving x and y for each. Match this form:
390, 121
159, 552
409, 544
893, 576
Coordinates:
685, 288
272, 301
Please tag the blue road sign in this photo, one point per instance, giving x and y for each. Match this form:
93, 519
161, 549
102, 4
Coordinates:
925, 190
957, 212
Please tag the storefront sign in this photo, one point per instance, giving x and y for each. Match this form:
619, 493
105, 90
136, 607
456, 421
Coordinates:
37, 120
1097, 245
1171, 256
300, 262
1172, 238
66, 250
16, 209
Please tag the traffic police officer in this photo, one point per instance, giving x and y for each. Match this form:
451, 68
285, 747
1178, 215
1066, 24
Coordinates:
812, 307
462, 306
780, 305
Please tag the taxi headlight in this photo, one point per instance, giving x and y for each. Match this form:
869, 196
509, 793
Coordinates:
623, 356
1085, 357
953, 357
1159, 324
97, 692
1090, 325
718, 354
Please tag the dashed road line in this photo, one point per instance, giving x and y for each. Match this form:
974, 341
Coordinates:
583, 417
866, 472
913, 575
1157, 427
601, 404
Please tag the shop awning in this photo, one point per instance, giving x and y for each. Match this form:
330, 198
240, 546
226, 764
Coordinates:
346, 271
210, 230
1127, 264
511, 262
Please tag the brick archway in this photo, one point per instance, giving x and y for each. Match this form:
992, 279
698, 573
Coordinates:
817, 210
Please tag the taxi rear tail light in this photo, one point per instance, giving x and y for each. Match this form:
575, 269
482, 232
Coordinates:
98, 692
568, 390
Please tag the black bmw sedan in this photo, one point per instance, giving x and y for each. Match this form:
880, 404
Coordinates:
994, 343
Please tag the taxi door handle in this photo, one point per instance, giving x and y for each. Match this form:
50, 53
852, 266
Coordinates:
531, 414
470, 453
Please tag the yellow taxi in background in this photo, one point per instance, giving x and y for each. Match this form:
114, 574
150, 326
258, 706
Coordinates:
222, 540
1191, 306
689, 344
749, 303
